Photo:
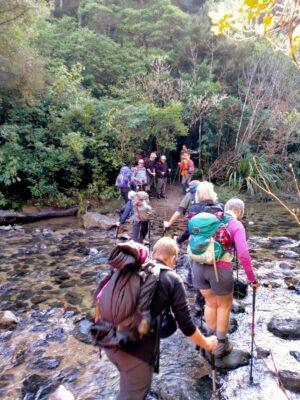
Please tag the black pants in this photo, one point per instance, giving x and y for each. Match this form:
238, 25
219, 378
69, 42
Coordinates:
139, 231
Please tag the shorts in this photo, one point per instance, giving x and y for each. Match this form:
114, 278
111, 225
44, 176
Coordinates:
204, 278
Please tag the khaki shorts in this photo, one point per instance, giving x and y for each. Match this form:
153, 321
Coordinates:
204, 278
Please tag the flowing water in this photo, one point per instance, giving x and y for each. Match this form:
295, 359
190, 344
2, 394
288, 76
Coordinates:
48, 272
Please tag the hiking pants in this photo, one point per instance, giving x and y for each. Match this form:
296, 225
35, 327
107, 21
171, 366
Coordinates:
161, 186
185, 180
135, 375
139, 231
124, 194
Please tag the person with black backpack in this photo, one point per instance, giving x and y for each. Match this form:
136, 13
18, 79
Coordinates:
131, 303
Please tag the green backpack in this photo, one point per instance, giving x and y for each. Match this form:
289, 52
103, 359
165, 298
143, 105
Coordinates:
205, 229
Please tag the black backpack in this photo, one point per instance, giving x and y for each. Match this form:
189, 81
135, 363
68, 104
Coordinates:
123, 298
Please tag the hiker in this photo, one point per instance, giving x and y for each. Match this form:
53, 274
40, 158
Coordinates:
184, 150
186, 167
205, 201
150, 168
123, 182
138, 205
161, 170
218, 295
185, 203
139, 176
136, 360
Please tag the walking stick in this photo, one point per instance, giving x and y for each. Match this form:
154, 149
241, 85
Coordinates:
252, 333
213, 374
149, 235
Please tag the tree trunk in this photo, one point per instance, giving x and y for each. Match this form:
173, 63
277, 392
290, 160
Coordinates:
19, 217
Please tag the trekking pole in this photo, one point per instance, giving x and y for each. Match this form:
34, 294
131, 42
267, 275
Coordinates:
149, 235
213, 374
252, 333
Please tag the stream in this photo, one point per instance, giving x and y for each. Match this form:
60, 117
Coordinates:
48, 273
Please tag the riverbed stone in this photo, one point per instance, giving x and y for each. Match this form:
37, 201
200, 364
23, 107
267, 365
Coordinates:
295, 354
237, 308
286, 328
262, 353
290, 380
289, 254
97, 220
37, 384
7, 318
46, 363
81, 331
235, 359
240, 288
73, 298
287, 266
57, 335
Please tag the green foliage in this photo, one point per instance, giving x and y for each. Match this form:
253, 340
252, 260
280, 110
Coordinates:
86, 86
254, 167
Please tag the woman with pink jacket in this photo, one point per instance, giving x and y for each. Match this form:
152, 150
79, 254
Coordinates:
218, 295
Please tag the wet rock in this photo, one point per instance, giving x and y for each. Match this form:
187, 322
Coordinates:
69, 283
286, 328
46, 363
5, 336
81, 331
240, 288
290, 380
25, 295
8, 318
5, 228
235, 359
41, 342
288, 254
69, 375
37, 384
6, 379
281, 240
88, 274
237, 308
295, 354
61, 393
57, 335
73, 298
233, 325
60, 275
97, 220
271, 284
287, 266
262, 353
38, 299
292, 283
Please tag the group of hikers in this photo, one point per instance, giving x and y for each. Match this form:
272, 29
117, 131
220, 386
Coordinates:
143, 291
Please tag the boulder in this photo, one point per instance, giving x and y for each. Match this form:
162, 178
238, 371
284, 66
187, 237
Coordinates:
290, 380
295, 354
235, 359
285, 328
7, 318
97, 220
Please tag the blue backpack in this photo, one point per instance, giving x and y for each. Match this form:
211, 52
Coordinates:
123, 179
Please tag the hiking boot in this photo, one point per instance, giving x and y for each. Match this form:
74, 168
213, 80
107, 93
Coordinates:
223, 347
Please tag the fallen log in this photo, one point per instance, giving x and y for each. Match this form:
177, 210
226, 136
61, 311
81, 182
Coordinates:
20, 217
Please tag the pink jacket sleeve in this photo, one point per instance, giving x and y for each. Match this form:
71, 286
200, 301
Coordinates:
238, 236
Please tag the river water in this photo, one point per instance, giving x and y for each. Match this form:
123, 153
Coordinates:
48, 272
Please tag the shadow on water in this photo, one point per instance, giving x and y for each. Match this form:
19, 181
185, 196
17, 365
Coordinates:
48, 272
